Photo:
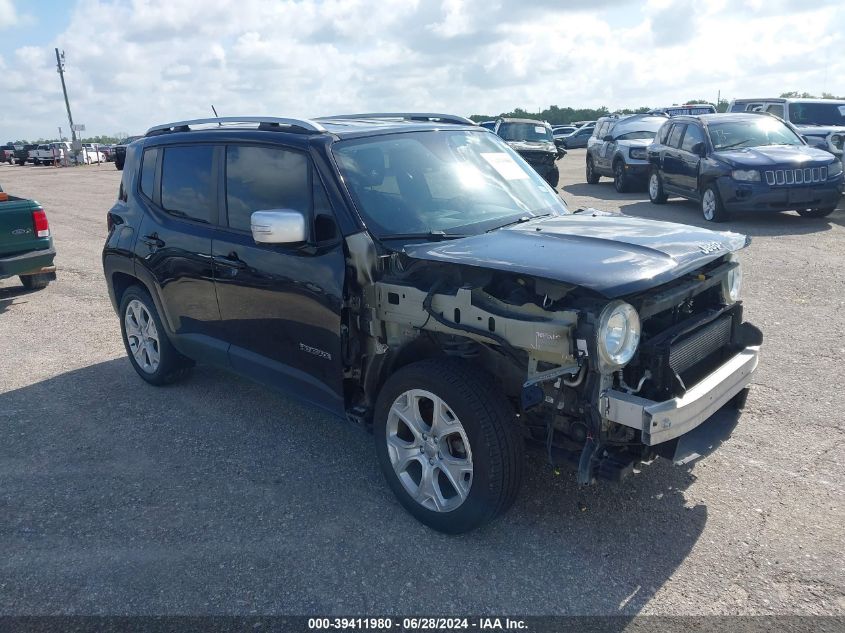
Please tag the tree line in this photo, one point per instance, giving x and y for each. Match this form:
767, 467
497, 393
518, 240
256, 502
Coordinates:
556, 115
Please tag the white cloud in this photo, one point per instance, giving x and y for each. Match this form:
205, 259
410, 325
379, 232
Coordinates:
133, 64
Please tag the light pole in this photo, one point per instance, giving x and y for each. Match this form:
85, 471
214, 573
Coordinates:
60, 68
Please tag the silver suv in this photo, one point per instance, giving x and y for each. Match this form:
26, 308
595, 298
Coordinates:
618, 149
820, 121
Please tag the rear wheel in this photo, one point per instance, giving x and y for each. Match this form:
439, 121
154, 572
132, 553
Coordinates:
592, 176
711, 205
620, 177
448, 444
150, 351
655, 188
816, 213
118, 165
36, 282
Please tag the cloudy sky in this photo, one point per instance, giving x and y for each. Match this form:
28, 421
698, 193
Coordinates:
133, 63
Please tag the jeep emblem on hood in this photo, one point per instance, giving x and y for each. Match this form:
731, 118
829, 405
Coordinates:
710, 247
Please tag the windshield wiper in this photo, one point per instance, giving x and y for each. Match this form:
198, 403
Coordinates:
519, 220
430, 235
733, 144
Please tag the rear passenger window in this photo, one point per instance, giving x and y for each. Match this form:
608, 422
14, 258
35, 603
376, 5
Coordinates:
663, 133
148, 172
262, 178
675, 135
187, 186
694, 135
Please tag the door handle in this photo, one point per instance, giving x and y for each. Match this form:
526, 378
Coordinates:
153, 241
231, 261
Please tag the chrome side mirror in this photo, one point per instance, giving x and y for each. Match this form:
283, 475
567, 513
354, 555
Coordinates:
278, 226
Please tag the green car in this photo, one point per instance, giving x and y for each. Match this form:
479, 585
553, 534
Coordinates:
26, 246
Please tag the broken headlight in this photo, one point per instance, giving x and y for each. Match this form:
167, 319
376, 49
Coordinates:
618, 335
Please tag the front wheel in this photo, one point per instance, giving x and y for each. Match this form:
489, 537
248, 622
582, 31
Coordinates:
150, 351
620, 177
553, 176
448, 444
816, 213
711, 205
655, 188
592, 176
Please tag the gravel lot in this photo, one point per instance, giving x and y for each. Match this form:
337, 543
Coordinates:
218, 496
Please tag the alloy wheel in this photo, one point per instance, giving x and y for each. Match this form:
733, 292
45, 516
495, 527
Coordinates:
142, 335
708, 204
429, 450
653, 187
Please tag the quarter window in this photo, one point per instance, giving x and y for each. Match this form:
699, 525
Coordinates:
187, 186
148, 172
693, 135
262, 178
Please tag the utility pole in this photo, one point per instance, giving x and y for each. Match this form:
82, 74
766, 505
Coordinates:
60, 68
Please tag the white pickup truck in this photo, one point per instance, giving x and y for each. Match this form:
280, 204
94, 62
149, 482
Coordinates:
46, 154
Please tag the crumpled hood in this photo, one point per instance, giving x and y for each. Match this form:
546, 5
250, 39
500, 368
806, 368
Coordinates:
533, 146
769, 156
614, 255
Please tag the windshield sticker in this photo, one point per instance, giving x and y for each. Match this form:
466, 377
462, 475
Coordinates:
503, 163
539, 129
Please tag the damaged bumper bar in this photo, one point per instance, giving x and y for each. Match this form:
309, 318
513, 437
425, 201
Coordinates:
667, 420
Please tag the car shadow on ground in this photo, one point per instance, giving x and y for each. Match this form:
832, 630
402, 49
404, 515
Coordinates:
8, 295
216, 495
687, 212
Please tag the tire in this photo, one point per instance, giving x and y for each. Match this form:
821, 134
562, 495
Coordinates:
483, 425
36, 162
592, 177
739, 400
816, 213
21, 162
711, 204
620, 178
655, 188
118, 165
553, 176
35, 282
170, 366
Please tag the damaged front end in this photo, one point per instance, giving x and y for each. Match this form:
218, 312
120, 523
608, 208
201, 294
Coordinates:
602, 384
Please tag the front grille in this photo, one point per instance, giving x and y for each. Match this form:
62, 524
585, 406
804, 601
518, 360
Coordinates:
800, 176
696, 347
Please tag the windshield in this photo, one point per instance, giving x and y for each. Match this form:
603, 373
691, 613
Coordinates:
457, 182
817, 113
762, 130
525, 132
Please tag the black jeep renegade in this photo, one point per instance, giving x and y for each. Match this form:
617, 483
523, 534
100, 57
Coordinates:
413, 274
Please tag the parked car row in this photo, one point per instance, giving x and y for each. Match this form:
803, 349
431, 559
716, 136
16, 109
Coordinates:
749, 159
52, 153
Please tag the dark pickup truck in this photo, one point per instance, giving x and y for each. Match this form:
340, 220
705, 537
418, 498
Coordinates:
26, 245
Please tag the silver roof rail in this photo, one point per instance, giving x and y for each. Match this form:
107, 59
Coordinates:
405, 116
184, 126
